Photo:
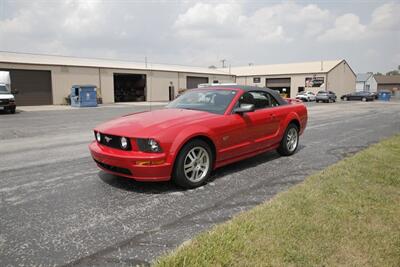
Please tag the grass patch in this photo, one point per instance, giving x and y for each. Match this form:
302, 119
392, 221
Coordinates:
348, 214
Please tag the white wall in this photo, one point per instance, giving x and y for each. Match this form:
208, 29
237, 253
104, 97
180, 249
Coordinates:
369, 85
341, 79
373, 85
360, 86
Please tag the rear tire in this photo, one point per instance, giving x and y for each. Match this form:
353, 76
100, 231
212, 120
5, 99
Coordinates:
193, 164
12, 110
290, 140
345, 98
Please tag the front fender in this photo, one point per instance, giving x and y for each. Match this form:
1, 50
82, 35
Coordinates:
189, 133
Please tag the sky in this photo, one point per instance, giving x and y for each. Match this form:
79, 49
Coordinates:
202, 33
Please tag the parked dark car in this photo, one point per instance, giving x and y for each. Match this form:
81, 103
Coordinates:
325, 96
362, 96
375, 95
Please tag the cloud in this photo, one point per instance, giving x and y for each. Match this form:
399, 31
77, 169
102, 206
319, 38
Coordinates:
196, 22
85, 28
384, 19
270, 24
203, 32
347, 28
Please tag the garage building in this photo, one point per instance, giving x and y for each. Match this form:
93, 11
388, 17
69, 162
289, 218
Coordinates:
46, 80
289, 79
389, 83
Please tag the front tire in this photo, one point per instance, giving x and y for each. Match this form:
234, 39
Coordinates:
193, 164
290, 140
12, 110
364, 99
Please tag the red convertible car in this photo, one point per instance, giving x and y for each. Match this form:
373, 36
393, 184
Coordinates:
200, 131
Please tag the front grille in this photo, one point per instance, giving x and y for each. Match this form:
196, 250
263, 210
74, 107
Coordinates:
114, 168
113, 141
4, 101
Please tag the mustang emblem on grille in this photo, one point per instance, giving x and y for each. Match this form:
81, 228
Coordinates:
108, 139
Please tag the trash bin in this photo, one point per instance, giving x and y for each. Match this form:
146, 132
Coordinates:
385, 96
83, 96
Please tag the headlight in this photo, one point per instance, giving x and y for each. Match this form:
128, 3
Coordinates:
98, 137
124, 143
148, 145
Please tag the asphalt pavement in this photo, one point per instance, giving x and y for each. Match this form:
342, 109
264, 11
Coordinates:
57, 208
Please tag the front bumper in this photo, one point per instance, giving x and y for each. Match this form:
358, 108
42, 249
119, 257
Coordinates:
6, 104
130, 163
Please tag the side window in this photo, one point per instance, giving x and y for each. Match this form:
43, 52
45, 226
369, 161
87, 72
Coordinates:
264, 100
274, 103
246, 98
261, 100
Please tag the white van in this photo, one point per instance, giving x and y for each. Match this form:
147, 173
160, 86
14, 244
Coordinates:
7, 100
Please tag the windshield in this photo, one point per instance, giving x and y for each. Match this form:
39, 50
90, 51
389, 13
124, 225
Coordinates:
3, 89
322, 93
214, 101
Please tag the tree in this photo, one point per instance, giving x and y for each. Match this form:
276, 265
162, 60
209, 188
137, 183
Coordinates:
393, 72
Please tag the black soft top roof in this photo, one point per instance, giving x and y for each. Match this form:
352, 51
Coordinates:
248, 88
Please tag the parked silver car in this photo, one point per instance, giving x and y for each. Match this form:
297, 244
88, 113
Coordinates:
306, 96
326, 96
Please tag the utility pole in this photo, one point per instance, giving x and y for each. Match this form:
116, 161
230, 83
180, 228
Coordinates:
223, 62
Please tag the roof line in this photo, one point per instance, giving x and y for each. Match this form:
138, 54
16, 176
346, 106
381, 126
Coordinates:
347, 65
119, 68
100, 58
280, 74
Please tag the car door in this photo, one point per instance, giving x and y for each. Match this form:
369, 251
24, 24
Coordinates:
265, 119
359, 95
237, 131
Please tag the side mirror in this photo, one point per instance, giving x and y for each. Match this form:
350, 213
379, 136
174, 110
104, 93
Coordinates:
14, 92
244, 108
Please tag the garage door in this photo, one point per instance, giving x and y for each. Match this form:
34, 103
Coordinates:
34, 87
193, 82
278, 82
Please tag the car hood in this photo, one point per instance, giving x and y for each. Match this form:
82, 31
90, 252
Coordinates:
146, 124
6, 96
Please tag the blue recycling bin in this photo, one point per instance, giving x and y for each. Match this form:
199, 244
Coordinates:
83, 96
385, 96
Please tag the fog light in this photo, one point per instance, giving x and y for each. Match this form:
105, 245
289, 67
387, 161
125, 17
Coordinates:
124, 142
98, 137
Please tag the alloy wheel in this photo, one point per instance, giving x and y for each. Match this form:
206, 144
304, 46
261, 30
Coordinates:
292, 139
196, 164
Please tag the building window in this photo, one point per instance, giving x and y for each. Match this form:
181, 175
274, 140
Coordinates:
256, 80
215, 81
